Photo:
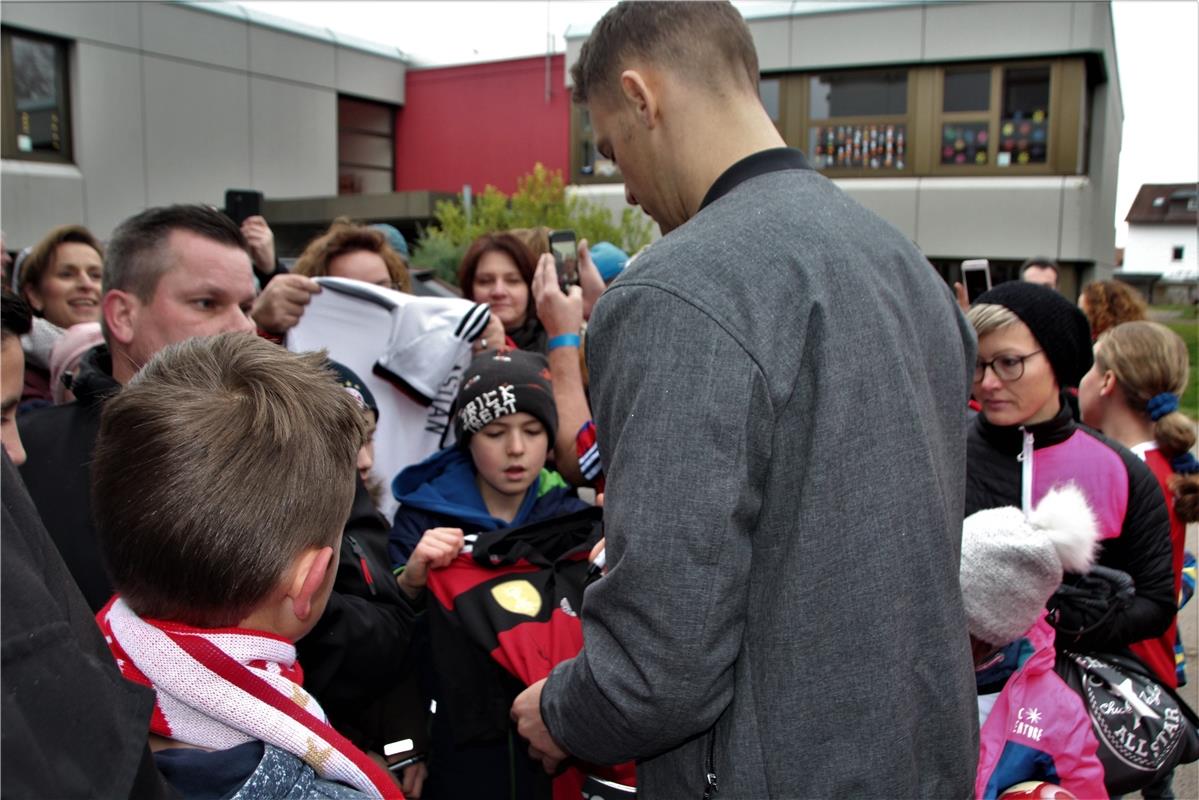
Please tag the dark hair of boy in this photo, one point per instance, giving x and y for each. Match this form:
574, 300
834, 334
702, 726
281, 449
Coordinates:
42, 255
133, 263
223, 460
709, 42
15, 315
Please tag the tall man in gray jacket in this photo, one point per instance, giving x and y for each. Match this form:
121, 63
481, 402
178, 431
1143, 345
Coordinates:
780, 388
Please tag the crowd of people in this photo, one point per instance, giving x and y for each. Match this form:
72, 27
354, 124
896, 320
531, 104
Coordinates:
762, 513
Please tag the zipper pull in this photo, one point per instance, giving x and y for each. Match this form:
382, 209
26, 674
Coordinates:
366, 570
711, 788
1025, 459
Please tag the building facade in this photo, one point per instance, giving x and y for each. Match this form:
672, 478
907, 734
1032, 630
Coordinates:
978, 129
480, 124
111, 107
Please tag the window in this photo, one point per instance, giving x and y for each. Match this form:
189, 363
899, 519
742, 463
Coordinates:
857, 121
768, 91
1176, 253
365, 147
1024, 126
589, 163
36, 116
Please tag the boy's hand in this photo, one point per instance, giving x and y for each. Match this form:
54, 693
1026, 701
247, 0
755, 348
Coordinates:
436, 549
558, 313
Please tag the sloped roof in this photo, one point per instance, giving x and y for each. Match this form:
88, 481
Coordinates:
1165, 204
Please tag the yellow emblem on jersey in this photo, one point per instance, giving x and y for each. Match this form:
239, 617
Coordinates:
518, 597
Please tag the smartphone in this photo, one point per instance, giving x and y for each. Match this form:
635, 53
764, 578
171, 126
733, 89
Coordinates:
565, 248
976, 276
242, 203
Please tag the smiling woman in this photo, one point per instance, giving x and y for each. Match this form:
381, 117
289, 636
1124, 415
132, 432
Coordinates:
60, 280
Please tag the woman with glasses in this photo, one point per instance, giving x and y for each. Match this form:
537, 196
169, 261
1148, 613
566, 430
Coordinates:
1032, 345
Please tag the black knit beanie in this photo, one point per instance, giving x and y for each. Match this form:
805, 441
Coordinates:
1059, 327
502, 382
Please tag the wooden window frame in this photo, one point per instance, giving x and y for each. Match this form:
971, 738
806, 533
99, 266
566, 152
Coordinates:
807, 123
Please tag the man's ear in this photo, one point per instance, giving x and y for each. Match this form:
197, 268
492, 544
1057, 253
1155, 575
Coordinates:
640, 97
120, 311
309, 577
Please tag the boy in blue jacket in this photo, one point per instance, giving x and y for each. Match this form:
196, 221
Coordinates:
493, 478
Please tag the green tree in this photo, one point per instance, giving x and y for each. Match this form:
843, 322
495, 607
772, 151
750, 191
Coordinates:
540, 200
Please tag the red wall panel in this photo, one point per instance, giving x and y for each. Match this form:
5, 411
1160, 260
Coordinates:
481, 124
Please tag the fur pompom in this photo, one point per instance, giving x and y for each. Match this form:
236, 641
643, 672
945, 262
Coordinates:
1066, 518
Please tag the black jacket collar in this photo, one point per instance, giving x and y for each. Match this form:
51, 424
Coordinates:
760, 163
93, 382
1009, 439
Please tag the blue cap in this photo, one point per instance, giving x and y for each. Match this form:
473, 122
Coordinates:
609, 260
394, 238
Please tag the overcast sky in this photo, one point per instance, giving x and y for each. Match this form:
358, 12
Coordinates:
1157, 50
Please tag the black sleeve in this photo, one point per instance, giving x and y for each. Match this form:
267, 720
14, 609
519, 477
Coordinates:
358, 648
73, 727
1142, 550
265, 277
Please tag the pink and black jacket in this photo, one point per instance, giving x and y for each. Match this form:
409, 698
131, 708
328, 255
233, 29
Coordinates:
1038, 730
1017, 465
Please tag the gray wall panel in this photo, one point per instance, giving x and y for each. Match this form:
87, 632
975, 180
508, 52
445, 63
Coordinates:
369, 76
109, 141
181, 32
985, 30
34, 197
893, 199
995, 217
856, 39
772, 39
294, 58
114, 23
293, 139
197, 132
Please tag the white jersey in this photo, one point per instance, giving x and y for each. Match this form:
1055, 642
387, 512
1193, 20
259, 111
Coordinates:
411, 353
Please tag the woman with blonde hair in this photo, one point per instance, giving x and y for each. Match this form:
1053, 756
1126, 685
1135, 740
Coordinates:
1131, 395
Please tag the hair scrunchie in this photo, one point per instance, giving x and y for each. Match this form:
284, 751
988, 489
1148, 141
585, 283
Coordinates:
1161, 405
1185, 464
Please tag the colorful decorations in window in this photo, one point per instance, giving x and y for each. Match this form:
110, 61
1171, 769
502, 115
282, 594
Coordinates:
875, 147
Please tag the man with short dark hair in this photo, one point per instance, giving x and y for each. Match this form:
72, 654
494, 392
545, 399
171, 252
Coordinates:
170, 273
1040, 269
780, 390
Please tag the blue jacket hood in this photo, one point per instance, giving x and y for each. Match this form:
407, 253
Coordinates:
444, 483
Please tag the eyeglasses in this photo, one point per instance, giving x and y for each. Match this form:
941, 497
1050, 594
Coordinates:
1006, 368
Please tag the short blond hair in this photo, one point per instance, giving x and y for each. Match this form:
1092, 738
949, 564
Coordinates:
990, 317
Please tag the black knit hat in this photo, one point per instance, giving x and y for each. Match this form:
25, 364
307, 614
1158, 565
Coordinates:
1059, 327
349, 380
502, 382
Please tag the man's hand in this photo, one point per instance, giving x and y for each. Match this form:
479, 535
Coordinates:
262, 243
414, 780
590, 280
559, 313
959, 293
526, 713
281, 304
436, 549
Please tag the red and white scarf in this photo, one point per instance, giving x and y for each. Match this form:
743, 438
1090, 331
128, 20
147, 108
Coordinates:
222, 687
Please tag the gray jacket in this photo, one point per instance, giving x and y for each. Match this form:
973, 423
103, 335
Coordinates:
780, 390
